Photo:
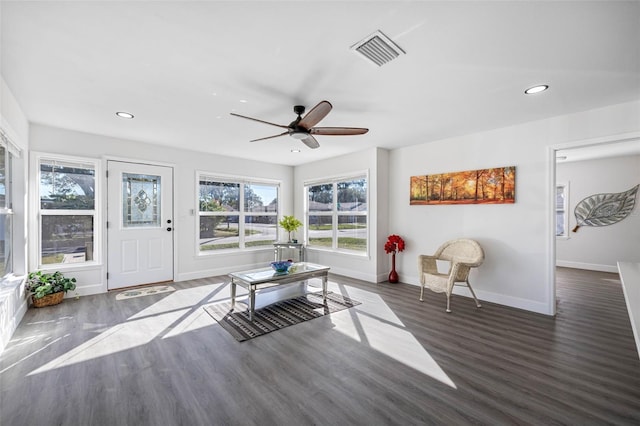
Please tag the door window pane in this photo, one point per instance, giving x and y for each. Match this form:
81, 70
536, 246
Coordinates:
66, 186
140, 200
66, 239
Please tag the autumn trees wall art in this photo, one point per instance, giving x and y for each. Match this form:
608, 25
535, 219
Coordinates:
486, 186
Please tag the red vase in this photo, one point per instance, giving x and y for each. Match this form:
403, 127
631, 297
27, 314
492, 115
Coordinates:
393, 275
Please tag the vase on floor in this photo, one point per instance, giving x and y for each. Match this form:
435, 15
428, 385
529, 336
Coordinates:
393, 275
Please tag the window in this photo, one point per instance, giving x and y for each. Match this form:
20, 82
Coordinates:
562, 206
6, 213
67, 211
236, 214
336, 214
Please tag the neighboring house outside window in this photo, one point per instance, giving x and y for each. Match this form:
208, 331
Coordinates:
337, 214
67, 211
6, 213
562, 207
236, 213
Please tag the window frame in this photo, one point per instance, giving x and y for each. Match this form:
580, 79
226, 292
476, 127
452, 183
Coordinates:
7, 213
241, 212
95, 213
335, 213
564, 209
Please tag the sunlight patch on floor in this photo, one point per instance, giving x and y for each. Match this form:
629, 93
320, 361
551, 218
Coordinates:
373, 323
172, 315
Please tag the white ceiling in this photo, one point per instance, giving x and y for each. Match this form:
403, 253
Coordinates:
182, 67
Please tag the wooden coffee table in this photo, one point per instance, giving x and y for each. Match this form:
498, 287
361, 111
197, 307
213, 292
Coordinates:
263, 278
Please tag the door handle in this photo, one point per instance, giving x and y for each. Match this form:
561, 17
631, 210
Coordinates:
169, 229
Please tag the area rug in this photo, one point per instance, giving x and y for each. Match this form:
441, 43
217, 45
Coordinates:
276, 316
144, 291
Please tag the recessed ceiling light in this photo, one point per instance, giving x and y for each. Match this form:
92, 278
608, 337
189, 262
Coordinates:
536, 89
243, 101
295, 150
123, 114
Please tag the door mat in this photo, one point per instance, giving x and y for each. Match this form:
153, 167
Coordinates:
144, 291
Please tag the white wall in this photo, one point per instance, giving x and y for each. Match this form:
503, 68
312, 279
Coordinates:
189, 264
13, 302
599, 248
375, 163
517, 238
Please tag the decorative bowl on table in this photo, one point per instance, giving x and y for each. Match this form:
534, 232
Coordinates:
281, 266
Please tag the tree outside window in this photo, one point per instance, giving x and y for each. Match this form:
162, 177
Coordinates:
236, 215
67, 212
337, 214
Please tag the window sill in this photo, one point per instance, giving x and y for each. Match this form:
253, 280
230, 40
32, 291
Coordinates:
338, 252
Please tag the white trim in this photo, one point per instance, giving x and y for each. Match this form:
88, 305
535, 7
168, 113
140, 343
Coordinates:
550, 261
566, 193
587, 266
36, 157
7, 142
227, 178
551, 185
337, 178
335, 213
602, 140
242, 181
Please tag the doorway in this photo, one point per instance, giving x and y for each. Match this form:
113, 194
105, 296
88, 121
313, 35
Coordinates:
139, 224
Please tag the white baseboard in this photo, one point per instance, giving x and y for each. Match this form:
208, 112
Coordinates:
587, 266
186, 276
356, 275
86, 290
500, 299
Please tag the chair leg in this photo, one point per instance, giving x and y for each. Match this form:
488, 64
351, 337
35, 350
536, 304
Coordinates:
421, 292
448, 301
474, 295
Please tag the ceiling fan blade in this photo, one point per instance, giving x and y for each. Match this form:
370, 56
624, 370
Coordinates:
338, 131
270, 137
316, 114
311, 142
259, 121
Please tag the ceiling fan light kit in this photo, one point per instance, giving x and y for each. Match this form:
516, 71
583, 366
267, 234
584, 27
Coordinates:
536, 89
302, 128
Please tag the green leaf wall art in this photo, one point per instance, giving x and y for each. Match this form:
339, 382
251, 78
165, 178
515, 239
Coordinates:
605, 209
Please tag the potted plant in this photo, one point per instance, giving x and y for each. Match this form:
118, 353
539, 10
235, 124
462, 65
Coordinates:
290, 224
48, 288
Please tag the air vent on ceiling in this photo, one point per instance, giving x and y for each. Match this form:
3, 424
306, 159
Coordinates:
378, 48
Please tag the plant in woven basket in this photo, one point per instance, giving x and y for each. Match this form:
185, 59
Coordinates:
42, 284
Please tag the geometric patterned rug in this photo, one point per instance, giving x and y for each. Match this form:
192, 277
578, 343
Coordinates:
276, 316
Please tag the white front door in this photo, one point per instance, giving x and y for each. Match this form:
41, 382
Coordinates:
140, 224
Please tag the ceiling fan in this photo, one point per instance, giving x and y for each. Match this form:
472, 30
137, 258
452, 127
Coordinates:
302, 127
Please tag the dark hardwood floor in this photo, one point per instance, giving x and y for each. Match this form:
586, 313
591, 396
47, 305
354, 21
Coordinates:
162, 360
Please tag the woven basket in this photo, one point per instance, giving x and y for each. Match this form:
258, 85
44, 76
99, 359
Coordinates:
48, 300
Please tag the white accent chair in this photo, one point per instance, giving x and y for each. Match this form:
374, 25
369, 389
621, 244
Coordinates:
462, 254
